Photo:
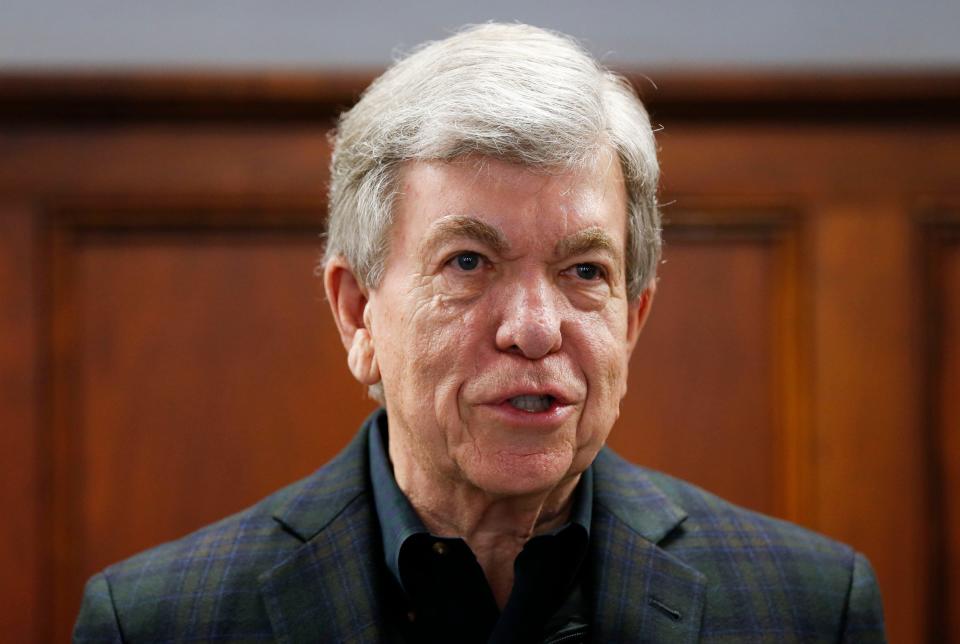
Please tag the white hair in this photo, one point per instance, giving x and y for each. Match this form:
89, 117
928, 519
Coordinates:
508, 91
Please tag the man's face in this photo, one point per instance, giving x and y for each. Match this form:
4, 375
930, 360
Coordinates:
502, 328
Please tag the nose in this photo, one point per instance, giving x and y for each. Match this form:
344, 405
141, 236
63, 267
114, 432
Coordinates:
531, 320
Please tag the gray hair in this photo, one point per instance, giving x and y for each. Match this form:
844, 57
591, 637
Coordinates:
509, 91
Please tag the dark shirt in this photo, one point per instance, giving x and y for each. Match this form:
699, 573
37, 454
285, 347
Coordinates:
440, 593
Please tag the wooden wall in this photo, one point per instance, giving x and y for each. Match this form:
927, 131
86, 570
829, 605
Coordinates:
166, 356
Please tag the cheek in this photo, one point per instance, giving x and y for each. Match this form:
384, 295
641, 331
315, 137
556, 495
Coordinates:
604, 363
437, 348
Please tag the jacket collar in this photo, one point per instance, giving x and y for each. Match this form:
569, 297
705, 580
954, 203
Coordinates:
640, 590
331, 514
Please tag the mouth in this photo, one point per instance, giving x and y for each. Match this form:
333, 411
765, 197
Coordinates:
533, 408
533, 404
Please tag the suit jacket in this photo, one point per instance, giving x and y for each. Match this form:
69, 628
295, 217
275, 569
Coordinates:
668, 562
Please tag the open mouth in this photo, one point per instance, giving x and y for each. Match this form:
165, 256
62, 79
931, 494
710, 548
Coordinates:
532, 404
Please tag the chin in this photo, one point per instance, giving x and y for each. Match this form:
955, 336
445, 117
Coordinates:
519, 474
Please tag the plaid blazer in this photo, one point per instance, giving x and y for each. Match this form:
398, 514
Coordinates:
669, 563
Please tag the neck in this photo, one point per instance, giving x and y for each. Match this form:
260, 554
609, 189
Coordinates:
495, 527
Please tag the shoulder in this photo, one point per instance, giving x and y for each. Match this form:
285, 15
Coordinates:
212, 575
253, 532
711, 518
757, 569
704, 522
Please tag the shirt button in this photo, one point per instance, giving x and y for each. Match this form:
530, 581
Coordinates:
440, 548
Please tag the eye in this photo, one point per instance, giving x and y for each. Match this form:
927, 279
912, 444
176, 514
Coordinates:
588, 272
467, 261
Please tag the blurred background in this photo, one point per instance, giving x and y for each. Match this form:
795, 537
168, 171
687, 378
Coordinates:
250, 34
167, 358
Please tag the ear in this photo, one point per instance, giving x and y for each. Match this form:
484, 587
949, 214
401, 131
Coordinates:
637, 313
348, 303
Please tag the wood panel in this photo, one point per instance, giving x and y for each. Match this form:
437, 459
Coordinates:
942, 248
866, 405
235, 363
21, 492
704, 387
860, 190
147, 368
949, 431
858, 164
159, 160
949, 427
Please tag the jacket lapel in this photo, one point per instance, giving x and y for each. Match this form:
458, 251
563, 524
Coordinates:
328, 588
642, 593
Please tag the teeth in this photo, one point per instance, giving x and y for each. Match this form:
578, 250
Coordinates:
532, 403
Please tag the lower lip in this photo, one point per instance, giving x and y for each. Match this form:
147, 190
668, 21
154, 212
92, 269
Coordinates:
550, 418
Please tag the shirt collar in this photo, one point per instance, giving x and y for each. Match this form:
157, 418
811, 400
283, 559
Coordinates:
399, 521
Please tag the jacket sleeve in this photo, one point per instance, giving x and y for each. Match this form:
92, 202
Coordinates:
864, 610
97, 621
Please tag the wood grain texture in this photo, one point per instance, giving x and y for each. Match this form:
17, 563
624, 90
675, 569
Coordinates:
702, 377
868, 421
943, 397
234, 361
949, 430
809, 163
700, 95
228, 340
863, 471
160, 160
790, 362
22, 555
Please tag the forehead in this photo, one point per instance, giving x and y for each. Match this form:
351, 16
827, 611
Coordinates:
517, 200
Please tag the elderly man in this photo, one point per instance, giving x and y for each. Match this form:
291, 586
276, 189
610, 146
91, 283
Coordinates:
491, 261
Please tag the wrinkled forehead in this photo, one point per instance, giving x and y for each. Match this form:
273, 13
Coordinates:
492, 200
598, 172
592, 161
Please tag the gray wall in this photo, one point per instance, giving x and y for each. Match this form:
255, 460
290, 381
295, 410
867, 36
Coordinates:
656, 34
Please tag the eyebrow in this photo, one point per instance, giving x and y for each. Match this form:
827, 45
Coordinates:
463, 227
587, 240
